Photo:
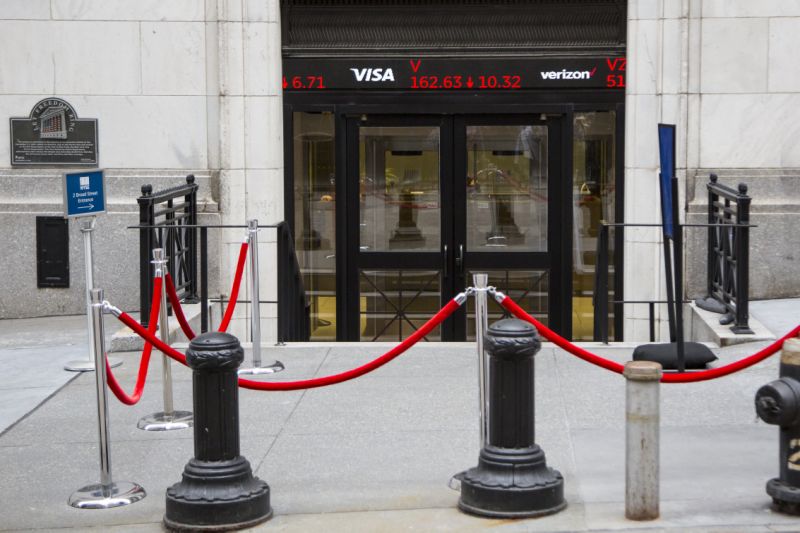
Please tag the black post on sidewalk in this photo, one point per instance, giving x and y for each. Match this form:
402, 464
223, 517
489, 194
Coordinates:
512, 479
218, 491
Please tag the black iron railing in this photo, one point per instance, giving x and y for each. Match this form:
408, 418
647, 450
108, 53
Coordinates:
293, 304
168, 219
728, 274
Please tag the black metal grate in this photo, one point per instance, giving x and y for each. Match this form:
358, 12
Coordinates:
467, 26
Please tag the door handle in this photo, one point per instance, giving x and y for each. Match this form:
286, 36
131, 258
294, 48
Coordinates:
444, 253
460, 259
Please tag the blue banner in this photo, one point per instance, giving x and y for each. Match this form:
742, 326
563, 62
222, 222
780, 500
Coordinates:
666, 151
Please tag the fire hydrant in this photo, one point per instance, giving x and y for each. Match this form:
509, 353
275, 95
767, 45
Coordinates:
778, 403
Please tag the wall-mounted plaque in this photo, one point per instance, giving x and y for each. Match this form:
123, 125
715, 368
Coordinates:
53, 135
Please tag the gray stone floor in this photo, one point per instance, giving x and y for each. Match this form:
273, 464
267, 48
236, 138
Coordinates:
376, 453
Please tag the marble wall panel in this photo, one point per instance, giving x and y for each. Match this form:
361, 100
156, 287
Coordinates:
643, 54
263, 132
784, 42
25, 9
262, 59
231, 58
749, 8
149, 131
97, 58
734, 55
24, 48
231, 132
748, 131
671, 55
261, 10
189, 10
172, 62
264, 198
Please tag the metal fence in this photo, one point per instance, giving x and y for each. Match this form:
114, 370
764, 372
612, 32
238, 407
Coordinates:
168, 219
728, 274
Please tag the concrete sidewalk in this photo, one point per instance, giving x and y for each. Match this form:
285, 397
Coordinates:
376, 453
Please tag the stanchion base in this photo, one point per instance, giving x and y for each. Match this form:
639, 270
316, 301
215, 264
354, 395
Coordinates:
511, 483
100, 496
217, 496
88, 366
272, 368
166, 422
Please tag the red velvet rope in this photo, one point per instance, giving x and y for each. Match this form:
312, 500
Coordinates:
690, 377
237, 280
684, 377
412, 339
560, 341
176, 306
144, 362
166, 349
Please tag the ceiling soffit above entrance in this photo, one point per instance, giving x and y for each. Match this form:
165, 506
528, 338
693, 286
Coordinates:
466, 27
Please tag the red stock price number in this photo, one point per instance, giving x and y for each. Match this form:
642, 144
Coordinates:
304, 82
466, 82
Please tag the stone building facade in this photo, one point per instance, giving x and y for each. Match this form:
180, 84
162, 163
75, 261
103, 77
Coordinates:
195, 86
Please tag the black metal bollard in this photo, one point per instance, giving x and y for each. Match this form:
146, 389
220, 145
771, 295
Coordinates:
218, 491
512, 479
779, 403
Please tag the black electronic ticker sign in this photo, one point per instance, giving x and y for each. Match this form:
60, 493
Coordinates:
453, 74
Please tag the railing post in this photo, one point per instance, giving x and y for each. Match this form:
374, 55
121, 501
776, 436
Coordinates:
742, 236
204, 279
712, 218
283, 304
146, 218
191, 239
601, 287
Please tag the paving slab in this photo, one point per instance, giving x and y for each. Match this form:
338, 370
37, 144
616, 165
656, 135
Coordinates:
376, 453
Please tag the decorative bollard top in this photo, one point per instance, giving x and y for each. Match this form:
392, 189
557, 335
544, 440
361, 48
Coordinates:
512, 337
215, 351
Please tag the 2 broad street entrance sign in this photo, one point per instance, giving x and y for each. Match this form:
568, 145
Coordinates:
84, 193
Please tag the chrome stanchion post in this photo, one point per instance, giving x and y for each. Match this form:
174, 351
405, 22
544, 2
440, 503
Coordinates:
480, 282
169, 418
87, 365
105, 494
255, 307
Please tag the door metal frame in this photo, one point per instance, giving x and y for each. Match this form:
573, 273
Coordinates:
559, 234
561, 104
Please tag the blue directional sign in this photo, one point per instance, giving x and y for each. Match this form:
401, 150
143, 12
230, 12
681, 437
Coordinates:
84, 193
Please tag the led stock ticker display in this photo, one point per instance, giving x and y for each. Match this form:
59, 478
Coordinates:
452, 74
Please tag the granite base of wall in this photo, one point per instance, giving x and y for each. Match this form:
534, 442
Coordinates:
27, 194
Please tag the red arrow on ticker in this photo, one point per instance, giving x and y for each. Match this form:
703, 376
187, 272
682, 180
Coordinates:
285, 84
469, 82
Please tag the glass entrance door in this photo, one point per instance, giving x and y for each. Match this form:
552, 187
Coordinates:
438, 199
508, 225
